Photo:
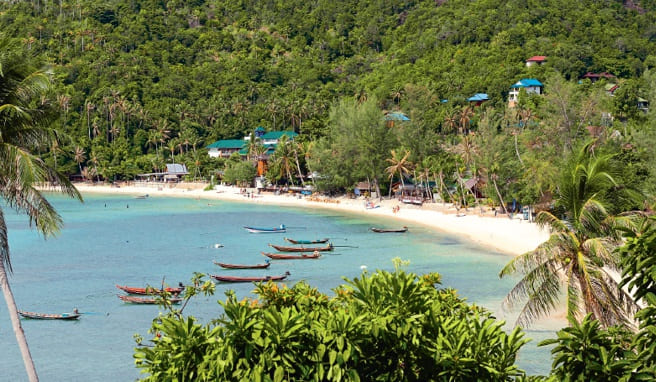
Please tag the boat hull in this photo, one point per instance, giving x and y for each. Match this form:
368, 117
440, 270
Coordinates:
317, 241
242, 266
149, 291
43, 316
265, 230
283, 256
248, 279
381, 230
146, 300
283, 248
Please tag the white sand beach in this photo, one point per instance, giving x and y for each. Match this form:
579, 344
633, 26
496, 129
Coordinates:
512, 236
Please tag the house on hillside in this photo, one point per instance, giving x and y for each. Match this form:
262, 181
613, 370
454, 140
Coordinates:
391, 117
478, 98
225, 148
594, 77
536, 60
530, 85
643, 104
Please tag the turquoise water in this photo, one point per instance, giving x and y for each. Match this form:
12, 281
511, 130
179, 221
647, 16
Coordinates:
118, 239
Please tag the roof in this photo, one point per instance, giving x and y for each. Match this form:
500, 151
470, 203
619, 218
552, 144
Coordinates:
176, 169
227, 144
478, 97
527, 82
598, 75
537, 59
396, 116
279, 134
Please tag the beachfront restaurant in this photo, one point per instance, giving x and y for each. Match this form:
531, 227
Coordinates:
174, 173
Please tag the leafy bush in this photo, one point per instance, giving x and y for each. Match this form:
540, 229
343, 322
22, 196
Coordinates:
381, 326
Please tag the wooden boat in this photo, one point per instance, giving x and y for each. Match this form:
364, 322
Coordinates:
283, 248
42, 316
146, 300
285, 256
317, 241
280, 229
152, 290
248, 279
382, 230
243, 266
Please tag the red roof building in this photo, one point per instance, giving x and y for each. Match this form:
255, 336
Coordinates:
536, 60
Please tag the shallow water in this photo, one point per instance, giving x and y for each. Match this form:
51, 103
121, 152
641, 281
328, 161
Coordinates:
117, 239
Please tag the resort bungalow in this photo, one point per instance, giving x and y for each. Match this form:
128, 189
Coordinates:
225, 148
594, 77
530, 85
536, 60
478, 98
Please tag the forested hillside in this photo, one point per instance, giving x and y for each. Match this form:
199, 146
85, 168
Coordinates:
140, 81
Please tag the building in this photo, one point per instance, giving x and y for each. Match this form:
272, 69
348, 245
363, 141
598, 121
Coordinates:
478, 98
530, 85
225, 148
536, 60
174, 172
395, 116
594, 77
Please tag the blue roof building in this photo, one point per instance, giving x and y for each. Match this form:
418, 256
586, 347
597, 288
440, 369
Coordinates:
530, 85
478, 98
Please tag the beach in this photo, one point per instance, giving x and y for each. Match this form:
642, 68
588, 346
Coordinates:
512, 236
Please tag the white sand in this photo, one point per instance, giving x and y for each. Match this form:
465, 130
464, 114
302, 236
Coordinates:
511, 236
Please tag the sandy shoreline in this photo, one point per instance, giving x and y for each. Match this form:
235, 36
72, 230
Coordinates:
511, 236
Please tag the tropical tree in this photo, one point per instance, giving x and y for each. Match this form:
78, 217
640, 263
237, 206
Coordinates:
387, 326
25, 127
579, 255
79, 156
398, 165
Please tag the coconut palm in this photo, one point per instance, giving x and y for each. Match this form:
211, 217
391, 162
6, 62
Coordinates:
79, 156
25, 127
283, 158
398, 165
578, 258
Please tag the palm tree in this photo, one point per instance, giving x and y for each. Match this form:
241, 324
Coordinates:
579, 256
398, 165
25, 126
283, 158
79, 157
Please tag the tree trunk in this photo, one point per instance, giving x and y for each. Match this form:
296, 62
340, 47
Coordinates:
380, 197
15, 323
503, 204
298, 167
517, 152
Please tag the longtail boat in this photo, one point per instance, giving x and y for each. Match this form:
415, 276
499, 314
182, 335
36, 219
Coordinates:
42, 316
285, 256
383, 230
317, 241
146, 300
280, 229
248, 279
151, 290
283, 248
243, 266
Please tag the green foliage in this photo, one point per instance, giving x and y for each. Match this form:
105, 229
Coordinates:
381, 326
585, 352
240, 173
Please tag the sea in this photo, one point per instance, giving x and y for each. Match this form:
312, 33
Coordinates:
122, 239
